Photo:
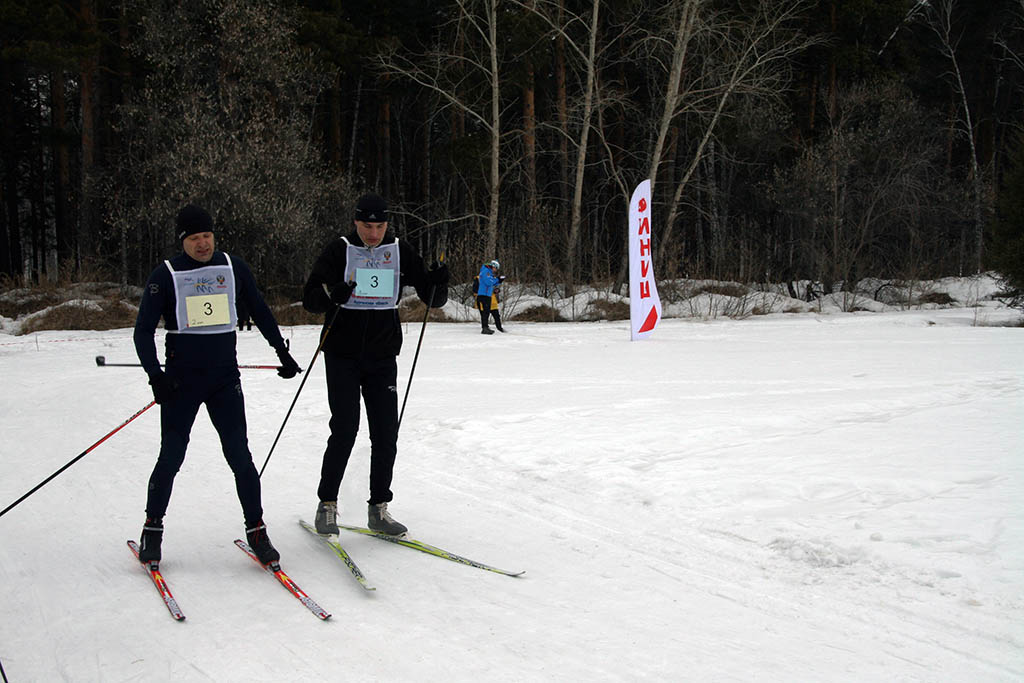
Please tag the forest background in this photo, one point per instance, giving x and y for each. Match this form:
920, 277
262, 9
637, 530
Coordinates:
789, 141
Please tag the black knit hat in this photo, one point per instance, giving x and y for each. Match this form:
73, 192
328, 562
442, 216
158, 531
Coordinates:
193, 219
371, 208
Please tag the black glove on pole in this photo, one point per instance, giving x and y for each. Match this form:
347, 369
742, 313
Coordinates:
164, 386
316, 353
342, 292
75, 459
289, 368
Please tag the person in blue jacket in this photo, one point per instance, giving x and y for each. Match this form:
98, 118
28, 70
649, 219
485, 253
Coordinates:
488, 280
198, 293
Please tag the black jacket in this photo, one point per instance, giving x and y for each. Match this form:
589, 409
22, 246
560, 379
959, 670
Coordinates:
368, 334
197, 350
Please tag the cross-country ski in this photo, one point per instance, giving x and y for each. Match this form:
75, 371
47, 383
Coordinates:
274, 569
428, 549
332, 543
153, 569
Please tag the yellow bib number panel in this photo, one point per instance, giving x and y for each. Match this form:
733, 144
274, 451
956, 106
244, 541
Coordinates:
211, 309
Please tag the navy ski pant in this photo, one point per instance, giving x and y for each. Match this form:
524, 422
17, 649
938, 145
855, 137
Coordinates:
376, 380
221, 390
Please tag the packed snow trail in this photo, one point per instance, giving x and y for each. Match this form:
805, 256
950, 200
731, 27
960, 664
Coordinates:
831, 498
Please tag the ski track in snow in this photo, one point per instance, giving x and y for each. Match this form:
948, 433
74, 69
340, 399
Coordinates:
785, 498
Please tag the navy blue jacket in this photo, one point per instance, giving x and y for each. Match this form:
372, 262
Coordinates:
197, 350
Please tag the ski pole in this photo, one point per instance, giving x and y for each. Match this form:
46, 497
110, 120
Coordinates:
76, 459
412, 370
316, 353
102, 362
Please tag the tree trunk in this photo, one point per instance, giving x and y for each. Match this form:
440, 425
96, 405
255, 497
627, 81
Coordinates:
495, 181
89, 75
581, 154
355, 126
684, 31
384, 146
562, 104
530, 141
334, 122
61, 167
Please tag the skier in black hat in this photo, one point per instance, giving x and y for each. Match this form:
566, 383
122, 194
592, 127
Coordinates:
198, 294
361, 277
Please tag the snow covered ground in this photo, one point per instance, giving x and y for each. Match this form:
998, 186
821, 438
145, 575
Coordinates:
785, 498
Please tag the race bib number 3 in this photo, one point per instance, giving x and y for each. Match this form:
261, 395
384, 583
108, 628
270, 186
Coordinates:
211, 309
375, 282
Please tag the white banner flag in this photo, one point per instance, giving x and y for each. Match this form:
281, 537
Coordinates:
644, 304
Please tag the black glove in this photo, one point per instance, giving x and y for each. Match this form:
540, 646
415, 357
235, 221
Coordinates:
501, 278
438, 275
341, 292
164, 386
289, 368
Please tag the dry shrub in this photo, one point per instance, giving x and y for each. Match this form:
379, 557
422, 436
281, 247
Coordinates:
940, 298
108, 314
539, 314
412, 310
723, 288
294, 314
19, 302
603, 309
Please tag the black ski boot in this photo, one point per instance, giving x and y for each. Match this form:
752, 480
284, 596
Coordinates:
326, 520
149, 544
258, 540
379, 519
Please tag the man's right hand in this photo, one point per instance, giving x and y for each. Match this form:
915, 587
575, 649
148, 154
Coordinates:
164, 386
341, 292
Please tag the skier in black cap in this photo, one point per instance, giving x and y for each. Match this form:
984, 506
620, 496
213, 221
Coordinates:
362, 276
198, 294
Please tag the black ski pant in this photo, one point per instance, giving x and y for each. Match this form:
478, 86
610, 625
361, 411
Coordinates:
221, 390
483, 303
376, 380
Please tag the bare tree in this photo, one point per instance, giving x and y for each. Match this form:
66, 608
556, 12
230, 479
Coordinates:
744, 55
562, 23
937, 15
467, 81
859, 191
581, 148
